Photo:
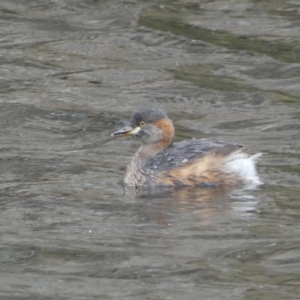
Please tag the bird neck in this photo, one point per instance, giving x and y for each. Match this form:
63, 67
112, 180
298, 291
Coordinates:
145, 153
148, 151
136, 172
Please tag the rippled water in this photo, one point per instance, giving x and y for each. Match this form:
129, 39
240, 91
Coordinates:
71, 73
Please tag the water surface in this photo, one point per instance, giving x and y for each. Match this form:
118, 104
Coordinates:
74, 71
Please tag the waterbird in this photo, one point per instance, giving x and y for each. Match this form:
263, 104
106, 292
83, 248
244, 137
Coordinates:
208, 163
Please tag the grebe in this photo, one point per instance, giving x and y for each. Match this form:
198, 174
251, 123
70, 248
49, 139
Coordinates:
195, 162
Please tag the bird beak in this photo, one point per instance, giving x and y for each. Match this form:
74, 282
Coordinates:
126, 131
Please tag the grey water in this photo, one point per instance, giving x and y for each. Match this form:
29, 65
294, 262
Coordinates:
71, 73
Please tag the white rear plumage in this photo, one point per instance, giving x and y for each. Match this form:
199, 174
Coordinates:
243, 165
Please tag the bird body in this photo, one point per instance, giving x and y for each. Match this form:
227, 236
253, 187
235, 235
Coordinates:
196, 162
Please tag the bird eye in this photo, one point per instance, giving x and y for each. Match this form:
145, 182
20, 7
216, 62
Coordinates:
142, 123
